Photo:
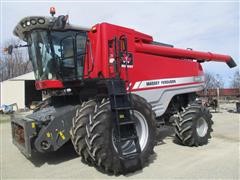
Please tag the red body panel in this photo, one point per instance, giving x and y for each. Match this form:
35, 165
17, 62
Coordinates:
149, 67
49, 84
146, 66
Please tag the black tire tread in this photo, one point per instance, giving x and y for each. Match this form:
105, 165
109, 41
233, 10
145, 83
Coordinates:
100, 146
185, 132
78, 131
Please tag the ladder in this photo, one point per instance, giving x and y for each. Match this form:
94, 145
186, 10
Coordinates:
125, 130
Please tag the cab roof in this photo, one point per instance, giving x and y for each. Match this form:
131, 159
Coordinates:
29, 23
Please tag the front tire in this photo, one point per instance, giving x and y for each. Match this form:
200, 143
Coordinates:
100, 138
78, 132
193, 127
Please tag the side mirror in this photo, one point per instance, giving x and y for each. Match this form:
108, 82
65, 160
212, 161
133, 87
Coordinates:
9, 49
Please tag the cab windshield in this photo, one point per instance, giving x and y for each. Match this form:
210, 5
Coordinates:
57, 54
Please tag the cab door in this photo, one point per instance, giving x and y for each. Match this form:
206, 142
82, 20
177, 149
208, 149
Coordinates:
67, 59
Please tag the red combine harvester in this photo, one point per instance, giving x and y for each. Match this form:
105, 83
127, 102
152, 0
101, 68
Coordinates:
109, 88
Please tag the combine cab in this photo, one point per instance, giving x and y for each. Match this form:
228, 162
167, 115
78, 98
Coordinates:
109, 88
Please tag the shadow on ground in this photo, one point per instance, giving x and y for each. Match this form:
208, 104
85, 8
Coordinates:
65, 153
162, 133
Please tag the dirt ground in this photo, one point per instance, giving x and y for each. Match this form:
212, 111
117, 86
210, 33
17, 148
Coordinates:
219, 159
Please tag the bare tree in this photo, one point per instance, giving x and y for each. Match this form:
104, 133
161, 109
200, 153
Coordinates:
236, 80
213, 81
15, 64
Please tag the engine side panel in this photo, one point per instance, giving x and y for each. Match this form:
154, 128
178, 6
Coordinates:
160, 98
158, 79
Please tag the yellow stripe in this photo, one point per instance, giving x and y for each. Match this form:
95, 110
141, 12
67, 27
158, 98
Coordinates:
61, 135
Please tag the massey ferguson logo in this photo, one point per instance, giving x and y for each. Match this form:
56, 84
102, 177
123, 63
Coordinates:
152, 83
164, 82
168, 81
127, 60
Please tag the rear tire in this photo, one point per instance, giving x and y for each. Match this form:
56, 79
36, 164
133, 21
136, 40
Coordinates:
100, 139
193, 126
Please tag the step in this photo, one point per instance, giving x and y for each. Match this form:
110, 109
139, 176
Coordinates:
126, 123
122, 108
131, 155
119, 94
128, 138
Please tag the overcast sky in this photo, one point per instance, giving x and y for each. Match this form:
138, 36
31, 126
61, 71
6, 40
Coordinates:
209, 26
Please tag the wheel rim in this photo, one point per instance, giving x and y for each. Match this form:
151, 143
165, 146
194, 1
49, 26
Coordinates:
142, 132
202, 127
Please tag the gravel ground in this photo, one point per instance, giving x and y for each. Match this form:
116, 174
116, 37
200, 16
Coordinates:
219, 159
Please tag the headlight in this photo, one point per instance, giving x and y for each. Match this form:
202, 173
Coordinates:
33, 21
28, 23
23, 25
41, 21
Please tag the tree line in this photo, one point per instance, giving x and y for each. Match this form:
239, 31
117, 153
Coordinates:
215, 81
15, 64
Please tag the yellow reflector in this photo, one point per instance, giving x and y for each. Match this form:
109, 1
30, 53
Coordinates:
33, 125
121, 116
48, 134
61, 135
